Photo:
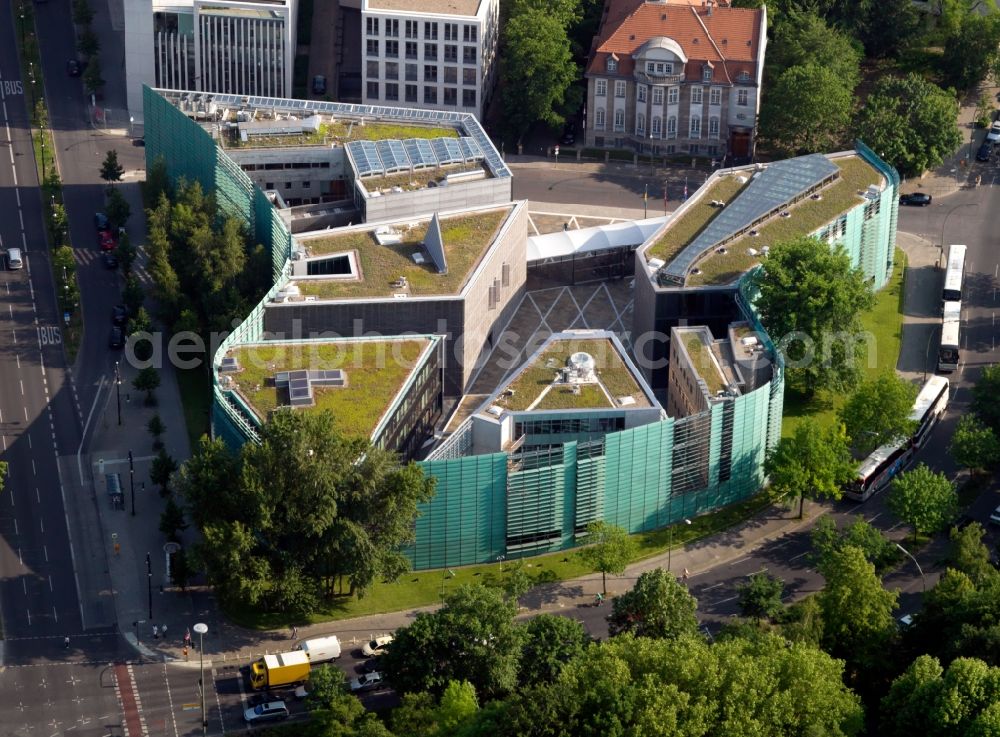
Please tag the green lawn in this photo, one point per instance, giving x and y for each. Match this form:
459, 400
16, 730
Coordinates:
427, 587
885, 323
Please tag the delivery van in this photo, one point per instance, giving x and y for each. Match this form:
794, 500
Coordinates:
321, 649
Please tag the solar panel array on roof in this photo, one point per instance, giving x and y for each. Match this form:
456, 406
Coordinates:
470, 149
365, 158
775, 186
393, 155
373, 158
419, 152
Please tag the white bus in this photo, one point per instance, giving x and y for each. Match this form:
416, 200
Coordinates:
953, 275
951, 322
885, 462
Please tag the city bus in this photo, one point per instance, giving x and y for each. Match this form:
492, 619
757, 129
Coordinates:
885, 462
951, 322
954, 274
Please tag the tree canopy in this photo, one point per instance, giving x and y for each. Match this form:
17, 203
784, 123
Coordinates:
111, 170
986, 396
974, 444
878, 549
803, 37
657, 606
814, 462
810, 300
968, 51
760, 596
608, 549
878, 412
807, 109
924, 499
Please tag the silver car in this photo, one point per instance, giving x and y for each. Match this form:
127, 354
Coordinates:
367, 682
269, 711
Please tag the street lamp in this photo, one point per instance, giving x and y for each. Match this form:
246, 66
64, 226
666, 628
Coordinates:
118, 392
149, 583
670, 540
201, 628
500, 561
923, 578
131, 480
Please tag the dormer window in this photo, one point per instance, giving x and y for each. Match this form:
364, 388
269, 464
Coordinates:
744, 77
659, 68
706, 73
612, 64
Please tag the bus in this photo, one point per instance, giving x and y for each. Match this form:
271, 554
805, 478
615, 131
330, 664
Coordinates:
951, 322
885, 462
953, 275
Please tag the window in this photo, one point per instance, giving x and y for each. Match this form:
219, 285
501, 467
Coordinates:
695, 129
640, 124
392, 91
268, 185
469, 54
411, 50
430, 95
371, 69
372, 47
599, 141
619, 88
599, 119
451, 75
470, 34
411, 28
741, 97
373, 90
371, 26
612, 64
696, 93
306, 185
706, 73
619, 120
640, 93
659, 68
743, 77
451, 31
430, 31
451, 53
288, 185
673, 93
430, 52
391, 70
450, 96
672, 127
430, 73
657, 126
411, 92
468, 98
657, 95
715, 96
411, 72
392, 27
392, 49
469, 77
694, 149
713, 127
601, 88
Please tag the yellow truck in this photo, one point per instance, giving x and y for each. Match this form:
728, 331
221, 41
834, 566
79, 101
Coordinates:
281, 669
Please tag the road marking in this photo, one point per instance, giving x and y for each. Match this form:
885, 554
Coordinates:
741, 560
50, 585
796, 557
170, 699
55, 614
41, 523
15, 525
21, 382
38, 497
45, 552
29, 441
724, 601
714, 586
29, 617
872, 519
33, 469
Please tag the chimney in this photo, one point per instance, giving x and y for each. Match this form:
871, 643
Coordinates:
708, 7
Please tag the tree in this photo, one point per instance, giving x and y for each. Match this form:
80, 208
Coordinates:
890, 27
986, 396
172, 520
140, 322
93, 82
968, 53
126, 253
209, 483
878, 549
82, 14
158, 181
802, 37
132, 294
326, 686
970, 556
813, 462
58, 222
857, 610
658, 606
88, 44
878, 412
974, 445
117, 208
807, 110
909, 122
608, 550
538, 69
147, 380
984, 111
180, 569
550, 641
162, 470
760, 596
810, 299
111, 170
420, 716
924, 499
156, 429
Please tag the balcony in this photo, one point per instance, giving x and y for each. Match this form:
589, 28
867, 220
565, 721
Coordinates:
643, 78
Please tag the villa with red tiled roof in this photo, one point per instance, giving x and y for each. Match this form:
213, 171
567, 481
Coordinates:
676, 77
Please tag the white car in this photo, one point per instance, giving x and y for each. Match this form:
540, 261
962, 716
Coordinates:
995, 517
994, 135
267, 712
376, 646
367, 682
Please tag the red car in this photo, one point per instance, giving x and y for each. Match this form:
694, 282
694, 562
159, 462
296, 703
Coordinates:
106, 241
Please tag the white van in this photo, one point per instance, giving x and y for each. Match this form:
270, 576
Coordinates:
14, 258
321, 649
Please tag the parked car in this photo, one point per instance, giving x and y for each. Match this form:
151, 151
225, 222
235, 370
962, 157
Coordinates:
568, 137
319, 85
119, 315
14, 260
73, 68
116, 340
106, 240
101, 221
367, 682
917, 199
378, 645
995, 517
372, 665
110, 259
267, 712
984, 152
994, 133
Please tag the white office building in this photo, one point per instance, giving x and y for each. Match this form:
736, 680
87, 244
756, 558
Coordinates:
437, 54
241, 48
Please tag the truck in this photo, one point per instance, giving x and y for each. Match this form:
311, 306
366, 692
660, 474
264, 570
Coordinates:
321, 649
280, 669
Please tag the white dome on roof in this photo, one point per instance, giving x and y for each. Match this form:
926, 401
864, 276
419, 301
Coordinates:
664, 43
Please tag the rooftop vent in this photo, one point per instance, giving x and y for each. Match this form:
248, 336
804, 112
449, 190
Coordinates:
752, 252
581, 367
230, 364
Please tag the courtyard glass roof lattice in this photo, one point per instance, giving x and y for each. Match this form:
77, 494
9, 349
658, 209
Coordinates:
373, 158
419, 152
777, 185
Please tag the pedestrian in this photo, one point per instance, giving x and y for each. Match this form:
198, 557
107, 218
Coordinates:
187, 637
163, 631
156, 632
185, 652
66, 642
685, 575
295, 631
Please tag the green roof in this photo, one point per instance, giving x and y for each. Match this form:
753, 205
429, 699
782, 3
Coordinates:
703, 362
808, 216
466, 240
540, 374
339, 131
376, 371
683, 230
